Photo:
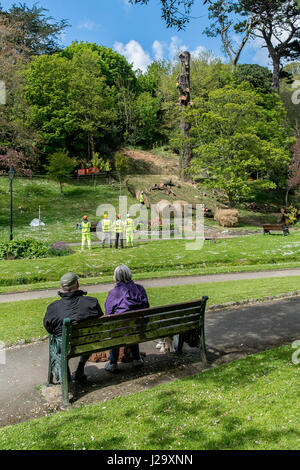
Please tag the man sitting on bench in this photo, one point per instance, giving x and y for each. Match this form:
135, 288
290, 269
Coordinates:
74, 304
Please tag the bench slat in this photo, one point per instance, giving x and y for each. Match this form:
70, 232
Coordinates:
120, 322
135, 329
145, 312
132, 339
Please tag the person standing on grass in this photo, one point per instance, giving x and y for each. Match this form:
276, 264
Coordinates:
86, 232
125, 296
129, 228
142, 199
75, 305
119, 229
106, 231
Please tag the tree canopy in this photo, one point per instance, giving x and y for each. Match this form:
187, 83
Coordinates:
37, 33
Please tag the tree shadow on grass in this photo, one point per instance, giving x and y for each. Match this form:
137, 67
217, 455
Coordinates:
190, 416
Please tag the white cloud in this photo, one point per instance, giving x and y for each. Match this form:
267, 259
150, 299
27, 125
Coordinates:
176, 47
141, 59
87, 24
198, 52
260, 53
135, 54
158, 50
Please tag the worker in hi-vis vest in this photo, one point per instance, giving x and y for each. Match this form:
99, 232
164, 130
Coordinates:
129, 228
118, 230
142, 199
86, 232
106, 231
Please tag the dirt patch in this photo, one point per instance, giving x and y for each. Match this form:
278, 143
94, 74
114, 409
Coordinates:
145, 162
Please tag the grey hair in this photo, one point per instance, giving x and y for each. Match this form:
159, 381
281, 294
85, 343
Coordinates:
122, 274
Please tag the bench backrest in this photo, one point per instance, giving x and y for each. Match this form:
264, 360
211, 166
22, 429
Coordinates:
273, 226
132, 327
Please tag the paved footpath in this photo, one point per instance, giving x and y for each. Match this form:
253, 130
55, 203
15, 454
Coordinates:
242, 329
159, 282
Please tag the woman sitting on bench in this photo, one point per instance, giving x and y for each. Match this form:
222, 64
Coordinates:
126, 296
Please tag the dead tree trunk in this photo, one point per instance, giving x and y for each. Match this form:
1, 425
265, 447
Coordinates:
183, 81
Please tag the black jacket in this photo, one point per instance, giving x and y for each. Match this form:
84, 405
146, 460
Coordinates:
73, 305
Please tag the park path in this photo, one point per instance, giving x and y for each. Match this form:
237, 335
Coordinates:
230, 333
159, 282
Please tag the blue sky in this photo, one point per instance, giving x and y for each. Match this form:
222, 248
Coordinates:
137, 32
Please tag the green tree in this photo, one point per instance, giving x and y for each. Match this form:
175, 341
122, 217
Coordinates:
13, 132
260, 77
241, 140
72, 107
100, 163
122, 166
37, 33
276, 24
91, 106
60, 168
229, 21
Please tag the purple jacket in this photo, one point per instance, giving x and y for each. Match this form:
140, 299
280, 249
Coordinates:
125, 297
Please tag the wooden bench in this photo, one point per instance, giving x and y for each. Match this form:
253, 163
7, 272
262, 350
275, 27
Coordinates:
276, 227
124, 329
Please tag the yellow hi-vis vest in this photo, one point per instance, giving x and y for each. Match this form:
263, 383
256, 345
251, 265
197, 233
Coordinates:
106, 225
129, 225
142, 198
118, 226
85, 227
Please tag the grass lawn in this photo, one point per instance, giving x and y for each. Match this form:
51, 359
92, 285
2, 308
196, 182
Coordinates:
252, 403
156, 257
155, 274
59, 212
23, 320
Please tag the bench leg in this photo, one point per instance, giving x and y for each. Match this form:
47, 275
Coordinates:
180, 344
65, 350
50, 374
202, 345
64, 381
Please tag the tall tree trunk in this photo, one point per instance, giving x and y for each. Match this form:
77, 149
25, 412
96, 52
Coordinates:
287, 198
183, 81
276, 73
275, 59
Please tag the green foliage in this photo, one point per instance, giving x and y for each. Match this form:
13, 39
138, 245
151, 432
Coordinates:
37, 33
59, 249
293, 214
73, 104
60, 168
122, 164
240, 138
260, 77
26, 248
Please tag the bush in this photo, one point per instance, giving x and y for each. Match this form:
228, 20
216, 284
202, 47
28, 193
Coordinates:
60, 249
227, 217
30, 248
26, 248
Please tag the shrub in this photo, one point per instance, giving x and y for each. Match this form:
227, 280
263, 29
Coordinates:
227, 217
26, 248
30, 248
60, 249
